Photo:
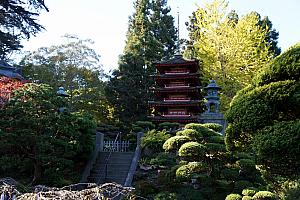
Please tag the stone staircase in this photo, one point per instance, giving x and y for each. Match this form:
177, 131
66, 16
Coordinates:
118, 167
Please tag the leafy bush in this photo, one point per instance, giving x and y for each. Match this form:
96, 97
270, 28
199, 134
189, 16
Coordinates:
249, 191
277, 153
192, 151
187, 193
233, 197
191, 133
154, 140
214, 126
185, 172
264, 195
174, 143
165, 196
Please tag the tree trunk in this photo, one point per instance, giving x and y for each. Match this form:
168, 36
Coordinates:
37, 172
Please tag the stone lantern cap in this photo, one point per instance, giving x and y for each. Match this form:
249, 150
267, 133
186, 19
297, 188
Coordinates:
212, 85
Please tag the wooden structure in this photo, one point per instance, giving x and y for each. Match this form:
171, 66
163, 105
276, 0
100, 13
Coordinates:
177, 91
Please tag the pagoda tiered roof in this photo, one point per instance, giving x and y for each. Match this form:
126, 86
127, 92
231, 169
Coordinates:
177, 91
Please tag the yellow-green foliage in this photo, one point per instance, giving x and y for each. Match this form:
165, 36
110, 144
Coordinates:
174, 143
192, 151
233, 197
264, 195
191, 133
249, 191
216, 127
206, 132
185, 172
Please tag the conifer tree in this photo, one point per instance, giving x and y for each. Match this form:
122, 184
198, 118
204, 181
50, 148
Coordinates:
151, 36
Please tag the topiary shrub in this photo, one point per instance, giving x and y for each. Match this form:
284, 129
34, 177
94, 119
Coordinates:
249, 191
165, 196
240, 185
174, 143
153, 140
185, 172
214, 148
143, 125
192, 151
264, 195
191, 133
216, 139
206, 132
233, 197
188, 193
214, 126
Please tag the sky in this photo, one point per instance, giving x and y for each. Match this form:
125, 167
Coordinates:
106, 22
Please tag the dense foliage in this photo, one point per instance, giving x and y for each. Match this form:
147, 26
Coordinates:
232, 49
151, 36
75, 65
265, 116
7, 85
18, 21
38, 142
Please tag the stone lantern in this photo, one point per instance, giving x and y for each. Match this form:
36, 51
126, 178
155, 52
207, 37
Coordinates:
212, 114
213, 100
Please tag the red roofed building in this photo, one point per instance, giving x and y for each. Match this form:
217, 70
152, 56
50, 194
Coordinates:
177, 91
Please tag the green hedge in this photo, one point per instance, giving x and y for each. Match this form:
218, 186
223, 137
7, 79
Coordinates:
249, 191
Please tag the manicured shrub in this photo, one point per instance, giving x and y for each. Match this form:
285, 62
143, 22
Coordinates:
224, 186
240, 185
214, 126
214, 148
192, 151
249, 191
284, 67
191, 133
247, 198
204, 179
216, 139
264, 195
277, 153
174, 143
233, 197
185, 172
154, 140
165, 196
206, 132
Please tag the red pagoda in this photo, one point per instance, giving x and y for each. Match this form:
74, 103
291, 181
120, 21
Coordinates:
177, 91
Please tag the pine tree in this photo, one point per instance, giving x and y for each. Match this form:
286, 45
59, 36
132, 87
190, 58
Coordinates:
151, 36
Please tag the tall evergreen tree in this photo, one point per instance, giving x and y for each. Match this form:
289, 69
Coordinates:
17, 22
151, 36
